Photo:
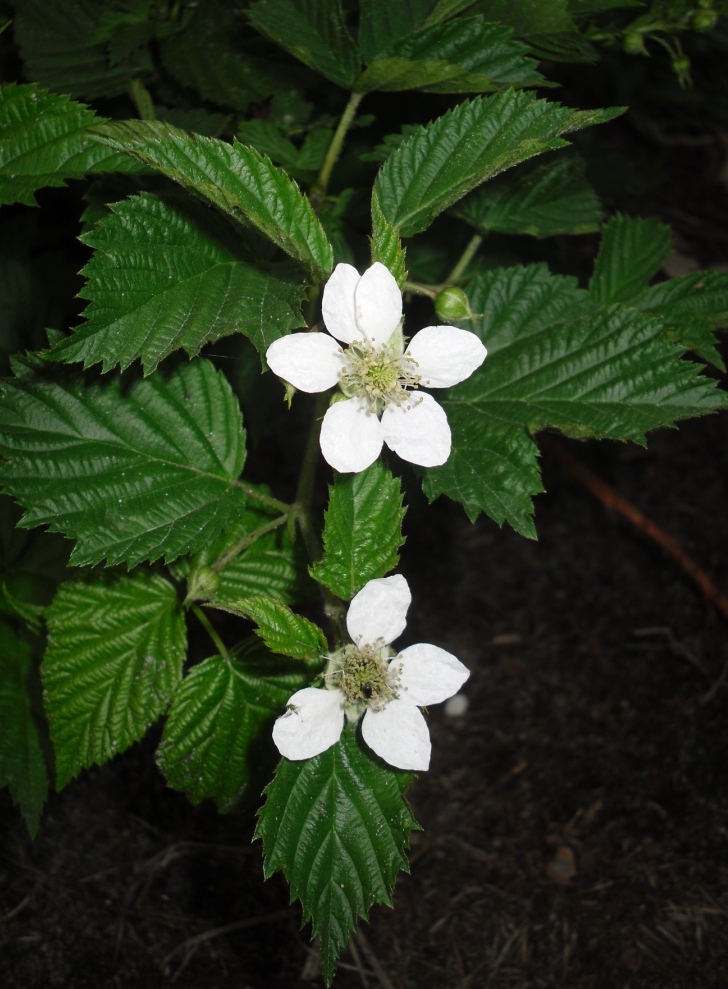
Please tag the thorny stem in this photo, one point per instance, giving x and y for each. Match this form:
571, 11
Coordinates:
242, 544
321, 184
207, 625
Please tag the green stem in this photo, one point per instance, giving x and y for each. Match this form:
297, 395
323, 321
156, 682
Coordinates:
242, 544
209, 628
465, 258
417, 289
306, 479
321, 184
255, 495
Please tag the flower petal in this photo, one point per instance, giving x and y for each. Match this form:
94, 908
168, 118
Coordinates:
445, 355
428, 674
311, 362
378, 304
399, 735
418, 430
351, 437
312, 723
379, 611
337, 304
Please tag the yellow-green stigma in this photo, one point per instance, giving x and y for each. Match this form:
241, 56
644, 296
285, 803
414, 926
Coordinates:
378, 375
363, 676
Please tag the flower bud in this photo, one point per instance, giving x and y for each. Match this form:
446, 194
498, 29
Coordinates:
202, 583
452, 304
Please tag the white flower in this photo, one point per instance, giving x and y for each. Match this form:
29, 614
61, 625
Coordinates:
375, 373
367, 677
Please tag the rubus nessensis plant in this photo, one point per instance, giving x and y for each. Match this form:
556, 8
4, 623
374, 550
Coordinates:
252, 182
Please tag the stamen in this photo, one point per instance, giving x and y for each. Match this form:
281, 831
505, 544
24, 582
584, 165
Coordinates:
377, 376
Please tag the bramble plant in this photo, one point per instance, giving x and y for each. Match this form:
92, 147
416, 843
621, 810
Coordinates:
249, 196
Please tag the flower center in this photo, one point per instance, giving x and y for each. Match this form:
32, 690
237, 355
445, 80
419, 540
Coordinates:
364, 676
378, 375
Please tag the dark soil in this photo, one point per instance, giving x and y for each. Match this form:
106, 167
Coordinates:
576, 817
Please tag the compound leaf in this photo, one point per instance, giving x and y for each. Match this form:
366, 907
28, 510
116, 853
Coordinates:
133, 473
45, 142
22, 765
218, 726
557, 361
337, 826
448, 158
233, 177
167, 275
114, 657
362, 530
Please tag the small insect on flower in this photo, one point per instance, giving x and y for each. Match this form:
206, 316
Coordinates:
367, 679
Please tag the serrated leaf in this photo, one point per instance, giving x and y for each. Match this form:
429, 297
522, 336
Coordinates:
633, 249
63, 47
282, 630
558, 362
312, 30
692, 306
167, 275
542, 199
337, 826
237, 179
386, 245
528, 17
382, 23
22, 765
133, 473
480, 138
114, 658
45, 142
216, 53
466, 55
218, 727
362, 530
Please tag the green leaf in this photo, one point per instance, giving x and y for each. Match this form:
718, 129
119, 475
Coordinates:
235, 178
314, 31
556, 361
133, 473
216, 54
542, 199
282, 630
218, 727
22, 765
167, 275
362, 530
338, 827
692, 306
382, 23
45, 142
442, 162
527, 16
386, 245
114, 657
463, 56
63, 47
632, 251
